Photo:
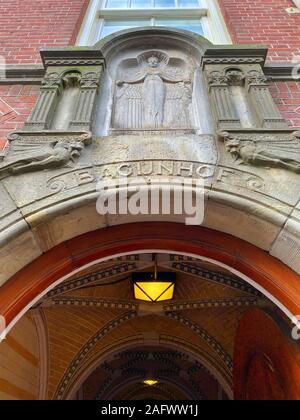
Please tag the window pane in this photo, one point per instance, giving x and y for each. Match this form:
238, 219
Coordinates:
116, 4
111, 26
164, 3
188, 3
193, 25
141, 4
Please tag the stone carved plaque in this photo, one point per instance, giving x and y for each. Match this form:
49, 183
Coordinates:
153, 91
269, 150
29, 152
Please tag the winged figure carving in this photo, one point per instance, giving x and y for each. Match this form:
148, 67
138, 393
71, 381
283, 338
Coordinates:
152, 94
32, 156
280, 150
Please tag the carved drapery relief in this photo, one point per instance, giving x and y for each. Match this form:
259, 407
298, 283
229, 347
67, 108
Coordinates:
273, 150
153, 91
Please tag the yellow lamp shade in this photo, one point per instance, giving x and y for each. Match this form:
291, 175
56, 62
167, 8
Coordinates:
149, 290
154, 291
150, 382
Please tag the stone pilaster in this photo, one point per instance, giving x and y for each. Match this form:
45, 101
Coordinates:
89, 86
262, 101
221, 99
42, 114
68, 68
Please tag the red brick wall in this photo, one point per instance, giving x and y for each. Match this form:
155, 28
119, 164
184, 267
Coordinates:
264, 22
26, 26
16, 103
287, 98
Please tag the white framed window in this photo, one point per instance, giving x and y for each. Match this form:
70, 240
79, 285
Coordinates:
105, 17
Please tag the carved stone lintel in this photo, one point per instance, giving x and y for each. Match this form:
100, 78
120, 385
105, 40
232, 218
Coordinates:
269, 150
29, 152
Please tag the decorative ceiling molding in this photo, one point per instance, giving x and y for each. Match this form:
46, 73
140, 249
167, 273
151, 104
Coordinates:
133, 305
91, 279
80, 356
211, 303
216, 277
211, 341
92, 302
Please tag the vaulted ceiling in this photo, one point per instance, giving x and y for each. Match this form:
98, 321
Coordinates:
103, 344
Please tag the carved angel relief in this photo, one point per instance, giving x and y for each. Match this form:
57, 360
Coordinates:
155, 94
273, 150
31, 155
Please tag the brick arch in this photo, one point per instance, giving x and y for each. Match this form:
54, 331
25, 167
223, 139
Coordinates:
268, 274
266, 360
132, 342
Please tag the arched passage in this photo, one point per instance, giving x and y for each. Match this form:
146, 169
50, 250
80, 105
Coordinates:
272, 277
244, 260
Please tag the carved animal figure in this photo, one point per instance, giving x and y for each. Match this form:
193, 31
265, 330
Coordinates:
27, 157
277, 151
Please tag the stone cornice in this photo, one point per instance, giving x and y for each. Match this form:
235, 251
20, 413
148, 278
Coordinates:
29, 74
76, 56
34, 74
238, 54
280, 71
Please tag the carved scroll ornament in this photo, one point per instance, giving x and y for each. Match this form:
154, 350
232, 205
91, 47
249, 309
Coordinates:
275, 150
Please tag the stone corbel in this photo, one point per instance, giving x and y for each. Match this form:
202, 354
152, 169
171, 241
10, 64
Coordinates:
81, 69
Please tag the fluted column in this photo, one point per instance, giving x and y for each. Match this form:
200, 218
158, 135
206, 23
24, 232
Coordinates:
222, 102
89, 86
260, 97
42, 114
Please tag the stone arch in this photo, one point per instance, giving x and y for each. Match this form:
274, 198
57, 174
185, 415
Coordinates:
252, 264
76, 381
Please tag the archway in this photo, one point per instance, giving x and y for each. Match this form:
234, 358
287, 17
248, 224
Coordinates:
61, 264
254, 265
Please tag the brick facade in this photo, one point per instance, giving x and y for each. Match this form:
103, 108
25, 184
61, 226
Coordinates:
287, 98
16, 103
26, 26
264, 22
